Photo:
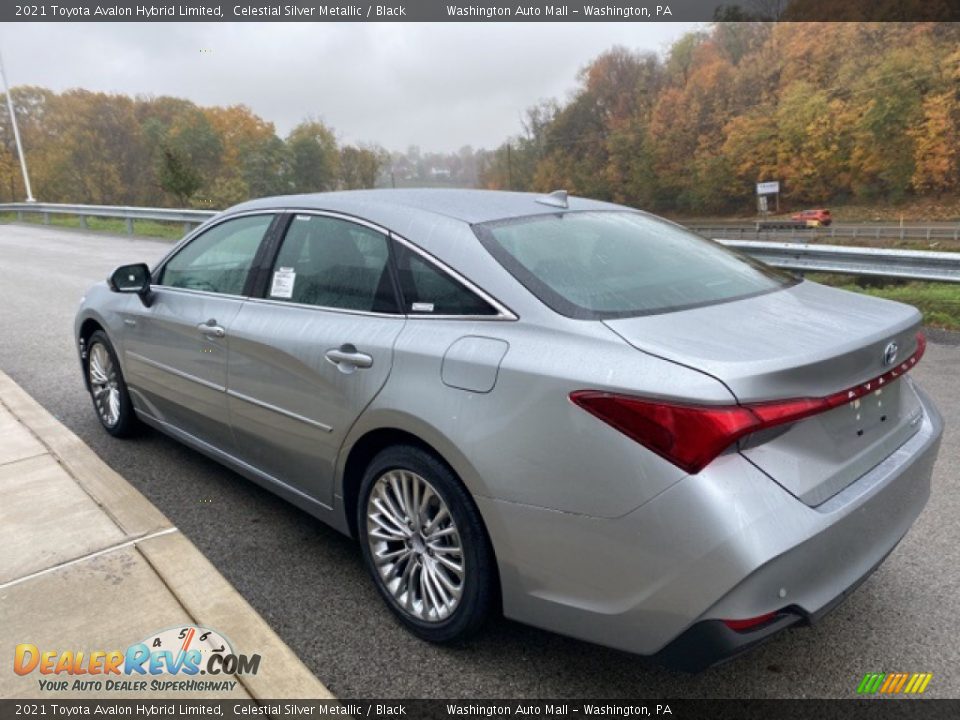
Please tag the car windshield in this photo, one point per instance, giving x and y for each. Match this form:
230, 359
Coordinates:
610, 264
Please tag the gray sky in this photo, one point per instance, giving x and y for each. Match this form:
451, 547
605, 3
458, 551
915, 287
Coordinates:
440, 86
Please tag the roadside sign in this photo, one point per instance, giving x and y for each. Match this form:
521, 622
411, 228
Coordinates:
768, 188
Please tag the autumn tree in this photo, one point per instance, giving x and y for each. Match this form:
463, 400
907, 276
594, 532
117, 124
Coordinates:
359, 166
254, 162
937, 135
31, 105
178, 177
314, 157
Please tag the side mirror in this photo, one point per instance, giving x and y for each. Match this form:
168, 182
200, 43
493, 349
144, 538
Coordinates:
131, 279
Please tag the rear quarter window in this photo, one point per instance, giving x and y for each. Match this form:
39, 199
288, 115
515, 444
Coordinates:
429, 291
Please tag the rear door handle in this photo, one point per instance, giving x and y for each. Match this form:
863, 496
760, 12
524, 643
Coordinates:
211, 328
347, 358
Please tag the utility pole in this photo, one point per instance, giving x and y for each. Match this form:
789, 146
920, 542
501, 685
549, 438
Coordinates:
509, 168
16, 134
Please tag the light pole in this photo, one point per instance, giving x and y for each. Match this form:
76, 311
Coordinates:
16, 134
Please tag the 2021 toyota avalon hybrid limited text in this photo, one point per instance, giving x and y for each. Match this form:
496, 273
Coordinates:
588, 416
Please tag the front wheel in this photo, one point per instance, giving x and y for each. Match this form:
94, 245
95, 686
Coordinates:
107, 387
425, 545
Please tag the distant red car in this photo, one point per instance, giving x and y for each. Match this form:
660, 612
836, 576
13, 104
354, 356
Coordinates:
813, 217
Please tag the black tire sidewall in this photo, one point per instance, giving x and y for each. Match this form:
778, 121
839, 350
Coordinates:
479, 575
127, 421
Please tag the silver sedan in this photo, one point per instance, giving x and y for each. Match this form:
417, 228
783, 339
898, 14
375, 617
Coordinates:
565, 409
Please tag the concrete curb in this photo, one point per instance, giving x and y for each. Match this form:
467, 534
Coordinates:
205, 595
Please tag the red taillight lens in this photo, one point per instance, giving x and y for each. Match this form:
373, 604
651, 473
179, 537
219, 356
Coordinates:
692, 436
749, 623
688, 436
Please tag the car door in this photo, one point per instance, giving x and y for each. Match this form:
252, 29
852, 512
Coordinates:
309, 355
176, 347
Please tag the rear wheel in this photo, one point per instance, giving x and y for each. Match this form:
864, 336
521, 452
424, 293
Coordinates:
425, 545
111, 401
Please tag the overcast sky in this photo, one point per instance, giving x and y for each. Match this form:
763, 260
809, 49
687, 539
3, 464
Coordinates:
440, 86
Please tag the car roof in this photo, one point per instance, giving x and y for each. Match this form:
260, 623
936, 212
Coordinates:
470, 206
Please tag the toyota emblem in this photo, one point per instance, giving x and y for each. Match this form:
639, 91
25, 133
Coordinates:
890, 353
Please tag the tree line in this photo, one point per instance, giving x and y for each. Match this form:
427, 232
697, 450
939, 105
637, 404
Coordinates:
110, 149
835, 111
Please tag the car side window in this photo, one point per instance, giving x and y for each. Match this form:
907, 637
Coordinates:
427, 290
220, 259
334, 263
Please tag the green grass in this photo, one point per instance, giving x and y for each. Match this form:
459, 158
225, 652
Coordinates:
146, 228
939, 302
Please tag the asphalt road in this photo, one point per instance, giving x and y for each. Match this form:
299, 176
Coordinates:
309, 582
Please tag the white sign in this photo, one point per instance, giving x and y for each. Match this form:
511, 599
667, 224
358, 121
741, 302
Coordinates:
768, 188
283, 280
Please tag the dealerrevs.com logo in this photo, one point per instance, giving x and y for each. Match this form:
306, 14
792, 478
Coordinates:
169, 660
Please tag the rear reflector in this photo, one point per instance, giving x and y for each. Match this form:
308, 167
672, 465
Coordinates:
749, 623
692, 436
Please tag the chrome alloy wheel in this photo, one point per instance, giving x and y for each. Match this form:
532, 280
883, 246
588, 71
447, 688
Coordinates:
415, 545
104, 384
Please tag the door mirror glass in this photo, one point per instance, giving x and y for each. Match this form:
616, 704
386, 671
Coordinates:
130, 279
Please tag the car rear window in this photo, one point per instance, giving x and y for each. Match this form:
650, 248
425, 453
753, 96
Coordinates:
608, 264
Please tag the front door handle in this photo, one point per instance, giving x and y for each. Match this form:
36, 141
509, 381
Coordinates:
347, 358
211, 328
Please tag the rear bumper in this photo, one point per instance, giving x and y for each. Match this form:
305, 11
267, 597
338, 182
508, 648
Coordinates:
711, 642
726, 544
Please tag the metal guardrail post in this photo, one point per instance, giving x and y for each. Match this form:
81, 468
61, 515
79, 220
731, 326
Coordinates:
129, 226
83, 221
879, 234
187, 217
46, 218
906, 264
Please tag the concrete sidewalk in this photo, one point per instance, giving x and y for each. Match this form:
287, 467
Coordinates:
88, 563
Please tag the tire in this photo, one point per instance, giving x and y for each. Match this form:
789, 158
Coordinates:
108, 389
422, 588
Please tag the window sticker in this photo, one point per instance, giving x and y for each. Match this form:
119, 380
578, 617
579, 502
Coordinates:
422, 307
283, 280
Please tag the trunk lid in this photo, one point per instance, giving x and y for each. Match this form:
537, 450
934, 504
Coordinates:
807, 340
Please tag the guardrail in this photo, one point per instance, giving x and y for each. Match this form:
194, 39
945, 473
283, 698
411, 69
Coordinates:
878, 262
799, 256
189, 218
865, 232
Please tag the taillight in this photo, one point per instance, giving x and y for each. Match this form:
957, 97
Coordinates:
692, 436
749, 624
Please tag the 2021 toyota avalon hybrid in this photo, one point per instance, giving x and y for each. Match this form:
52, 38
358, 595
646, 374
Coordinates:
588, 416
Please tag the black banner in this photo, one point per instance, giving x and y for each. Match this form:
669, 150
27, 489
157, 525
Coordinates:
873, 709
463, 11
